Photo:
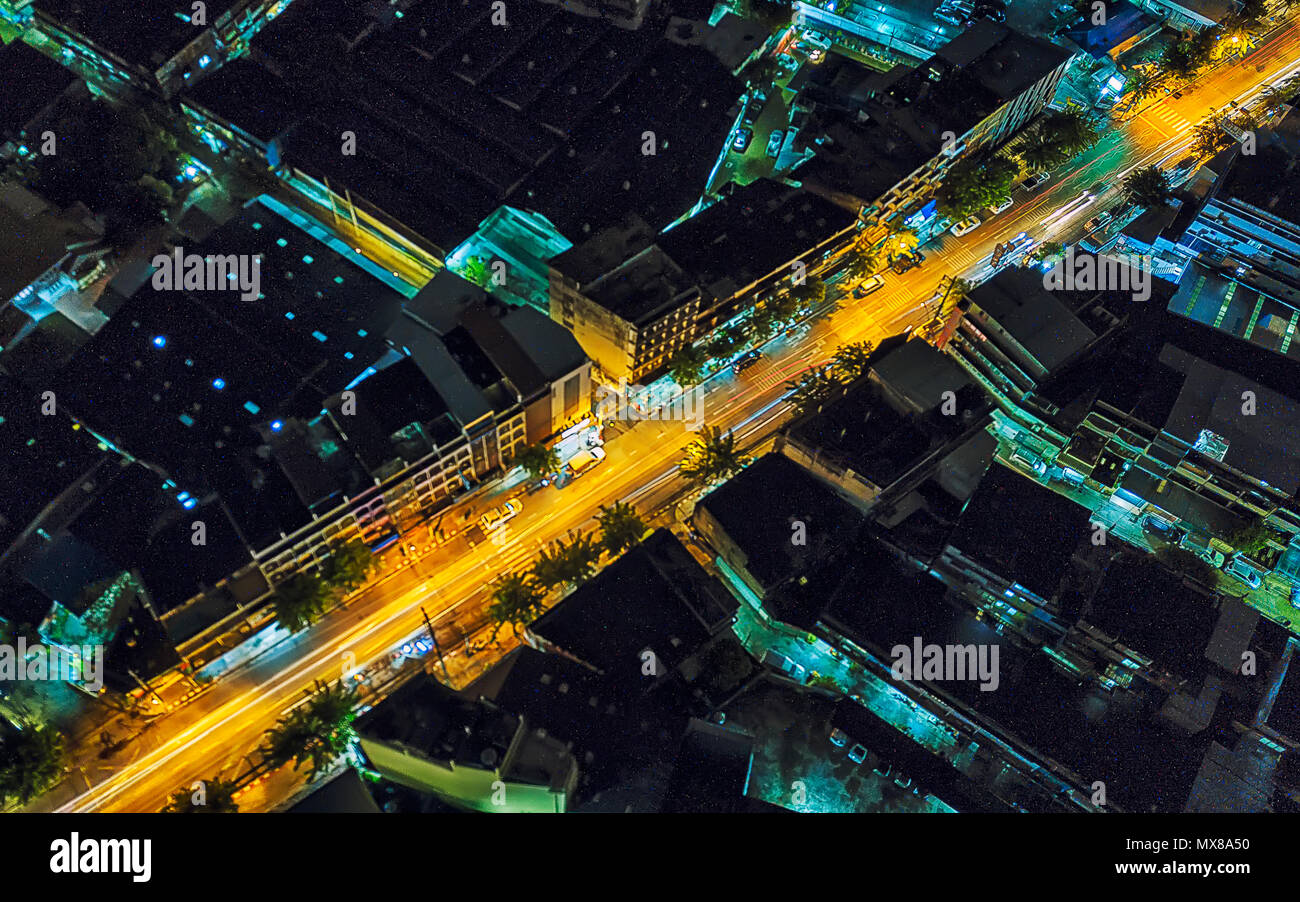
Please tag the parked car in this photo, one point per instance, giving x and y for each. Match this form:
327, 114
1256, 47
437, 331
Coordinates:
966, 226
586, 459
498, 517
740, 143
1070, 477
1295, 596
858, 753
745, 361
1198, 543
754, 109
1036, 181
1002, 207
785, 665
869, 286
774, 143
1029, 460
839, 738
1240, 569
1163, 529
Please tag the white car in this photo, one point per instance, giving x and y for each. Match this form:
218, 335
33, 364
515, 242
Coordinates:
869, 286
1002, 207
1239, 569
966, 226
496, 518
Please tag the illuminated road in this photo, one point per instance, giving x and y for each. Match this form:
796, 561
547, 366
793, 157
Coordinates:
213, 733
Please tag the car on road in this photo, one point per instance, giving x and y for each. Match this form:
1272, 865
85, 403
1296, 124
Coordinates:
1099, 220
966, 226
1036, 181
839, 738
740, 143
586, 459
500, 516
787, 63
745, 361
1002, 207
1240, 569
784, 664
774, 143
1163, 529
858, 753
869, 286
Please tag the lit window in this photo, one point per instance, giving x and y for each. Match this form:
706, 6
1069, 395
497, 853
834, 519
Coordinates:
218, 383
160, 341
308, 259
289, 315
276, 425
204, 60
318, 335
281, 242
251, 407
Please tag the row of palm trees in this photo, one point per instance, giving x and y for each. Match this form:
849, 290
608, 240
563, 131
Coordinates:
975, 184
315, 735
811, 390
519, 598
690, 365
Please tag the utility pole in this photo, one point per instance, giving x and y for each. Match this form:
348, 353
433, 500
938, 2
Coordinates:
436, 647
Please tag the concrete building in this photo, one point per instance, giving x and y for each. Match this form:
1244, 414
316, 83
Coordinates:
151, 46
891, 138
470, 754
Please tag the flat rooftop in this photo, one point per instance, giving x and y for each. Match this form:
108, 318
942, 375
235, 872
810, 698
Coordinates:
1020, 530
144, 32
457, 116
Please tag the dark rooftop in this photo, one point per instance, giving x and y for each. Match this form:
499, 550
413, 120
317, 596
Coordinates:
447, 134
144, 32
654, 597
751, 232
759, 507
1020, 530
43, 80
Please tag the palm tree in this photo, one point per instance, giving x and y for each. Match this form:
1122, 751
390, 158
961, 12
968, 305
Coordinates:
762, 323
217, 797
812, 389
1072, 131
1042, 155
687, 365
1178, 60
316, 733
347, 567
620, 527
539, 460
516, 600
850, 360
31, 761
1148, 187
712, 457
567, 563
301, 600
861, 264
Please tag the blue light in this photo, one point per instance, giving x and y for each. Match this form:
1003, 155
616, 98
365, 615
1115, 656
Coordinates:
204, 60
276, 425
188, 505
183, 496
160, 341
218, 383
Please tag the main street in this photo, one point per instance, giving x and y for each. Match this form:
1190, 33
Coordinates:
214, 733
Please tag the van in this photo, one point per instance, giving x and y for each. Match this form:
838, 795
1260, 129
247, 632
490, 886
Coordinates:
785, 665
586, 459
1198, 543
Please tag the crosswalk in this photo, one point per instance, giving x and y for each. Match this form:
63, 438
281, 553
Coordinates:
1166, 121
